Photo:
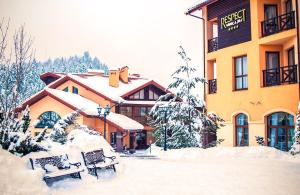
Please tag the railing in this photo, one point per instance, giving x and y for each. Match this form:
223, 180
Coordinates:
278, 24
282, 75
212, 86
213, 44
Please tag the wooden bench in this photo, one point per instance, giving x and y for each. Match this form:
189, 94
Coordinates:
61, 165
96, 159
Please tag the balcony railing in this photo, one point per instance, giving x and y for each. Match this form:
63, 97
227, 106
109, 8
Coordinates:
282, 75
213, 44
278, 24
212, 86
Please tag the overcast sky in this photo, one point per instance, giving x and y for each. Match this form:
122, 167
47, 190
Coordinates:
142, 34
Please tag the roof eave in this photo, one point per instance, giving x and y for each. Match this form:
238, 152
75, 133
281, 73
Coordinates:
199, 6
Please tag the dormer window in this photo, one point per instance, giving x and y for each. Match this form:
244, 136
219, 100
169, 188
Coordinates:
66, 89
74, 90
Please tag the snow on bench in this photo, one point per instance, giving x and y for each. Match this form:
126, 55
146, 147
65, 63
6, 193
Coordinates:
57, 166
96, 159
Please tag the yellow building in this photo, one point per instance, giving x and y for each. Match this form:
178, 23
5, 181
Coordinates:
129, 97
252, 49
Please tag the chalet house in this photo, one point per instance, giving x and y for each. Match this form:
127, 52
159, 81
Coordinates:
252, 68
129, 96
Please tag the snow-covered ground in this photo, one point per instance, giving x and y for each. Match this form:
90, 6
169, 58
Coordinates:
248, 170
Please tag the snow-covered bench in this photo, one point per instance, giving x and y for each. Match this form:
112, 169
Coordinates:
96, 159
57, 166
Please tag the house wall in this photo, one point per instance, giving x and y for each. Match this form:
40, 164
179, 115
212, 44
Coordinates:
86, 93
257, 101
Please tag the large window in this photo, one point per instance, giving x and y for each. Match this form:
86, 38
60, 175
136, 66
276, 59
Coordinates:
47, 119
272, 60
280, 130
140, 95
242, 132
126, 110
152, 94
241, 73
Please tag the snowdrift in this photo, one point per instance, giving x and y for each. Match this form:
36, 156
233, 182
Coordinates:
17, 178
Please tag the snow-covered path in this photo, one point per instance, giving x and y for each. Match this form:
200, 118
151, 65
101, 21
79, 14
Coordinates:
187, 174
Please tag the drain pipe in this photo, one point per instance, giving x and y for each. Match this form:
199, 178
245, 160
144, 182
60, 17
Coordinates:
298, 43
204, 60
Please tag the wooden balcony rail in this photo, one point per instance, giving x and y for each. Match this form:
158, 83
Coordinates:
278, 24
212, 86
213, 44
282, 75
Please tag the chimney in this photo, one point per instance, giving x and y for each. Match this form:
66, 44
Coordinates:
114, 78
124, 74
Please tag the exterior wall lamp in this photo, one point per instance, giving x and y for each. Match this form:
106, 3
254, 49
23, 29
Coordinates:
104, 115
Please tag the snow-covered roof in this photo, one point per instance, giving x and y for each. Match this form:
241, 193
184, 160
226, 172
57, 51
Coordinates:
90, 108
101, 85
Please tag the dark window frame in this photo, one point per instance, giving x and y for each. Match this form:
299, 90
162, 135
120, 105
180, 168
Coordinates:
243, 128
267, 59
240, 76
292, 50
288, 6
270, 5
276, 127
42, 119
75, 90
66, 89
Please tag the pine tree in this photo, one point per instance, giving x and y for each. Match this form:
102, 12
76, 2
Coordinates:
16, 137
295, 149
182, 121
59, 133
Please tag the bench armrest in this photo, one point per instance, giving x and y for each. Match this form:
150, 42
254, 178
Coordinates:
78, 164
110, 157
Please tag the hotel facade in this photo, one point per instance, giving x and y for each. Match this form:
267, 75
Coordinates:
129, 97
251, 64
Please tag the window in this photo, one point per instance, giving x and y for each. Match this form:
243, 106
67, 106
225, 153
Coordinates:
140, 95
241, 127
280, 130
152, 94
272, 60
270, 11
291, 57
74, 90
241, 73
126, 110
66, 89
113, 138
288, 6
47, 119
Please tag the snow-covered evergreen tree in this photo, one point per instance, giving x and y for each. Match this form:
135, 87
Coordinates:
16, 137
59, 133
296, 145
187, 120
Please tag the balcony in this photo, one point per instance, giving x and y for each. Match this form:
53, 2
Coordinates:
212, 86
279, 76
278, 24
212, 44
